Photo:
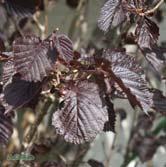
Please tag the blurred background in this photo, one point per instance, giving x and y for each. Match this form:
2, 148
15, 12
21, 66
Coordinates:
139, 140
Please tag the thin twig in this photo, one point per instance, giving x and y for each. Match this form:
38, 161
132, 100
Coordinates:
155, 8
38, 120
78, 21
29, 138
41, 27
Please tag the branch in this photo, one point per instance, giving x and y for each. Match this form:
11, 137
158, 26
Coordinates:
33, 130
150, 11
38, 120
77, 27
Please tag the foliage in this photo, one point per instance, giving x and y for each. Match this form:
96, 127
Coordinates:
82, 85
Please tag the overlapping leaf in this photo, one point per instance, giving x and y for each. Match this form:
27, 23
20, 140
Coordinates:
147, 33
34, 58
6, 127
118, 57
83, 115
30, 58
23, 8
136, 85
159, 101
127, 75
155, 57
111, 14
19, 92
8, 71
64, 46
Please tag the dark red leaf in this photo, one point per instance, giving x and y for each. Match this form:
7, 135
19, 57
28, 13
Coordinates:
147, 33
111, 15
31, 59
83, 115
120, 58
127, 74
23, 8
6, 127
155, 57
63, 45
20, 92
8, 72
134, 85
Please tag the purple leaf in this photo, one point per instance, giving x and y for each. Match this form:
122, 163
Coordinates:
64, 46
147, 33
22, 9
6, 127
118, 57
31, 59
83, 115
136, 85
8, 72
20, 92
111, 14
127, 74
155, 57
